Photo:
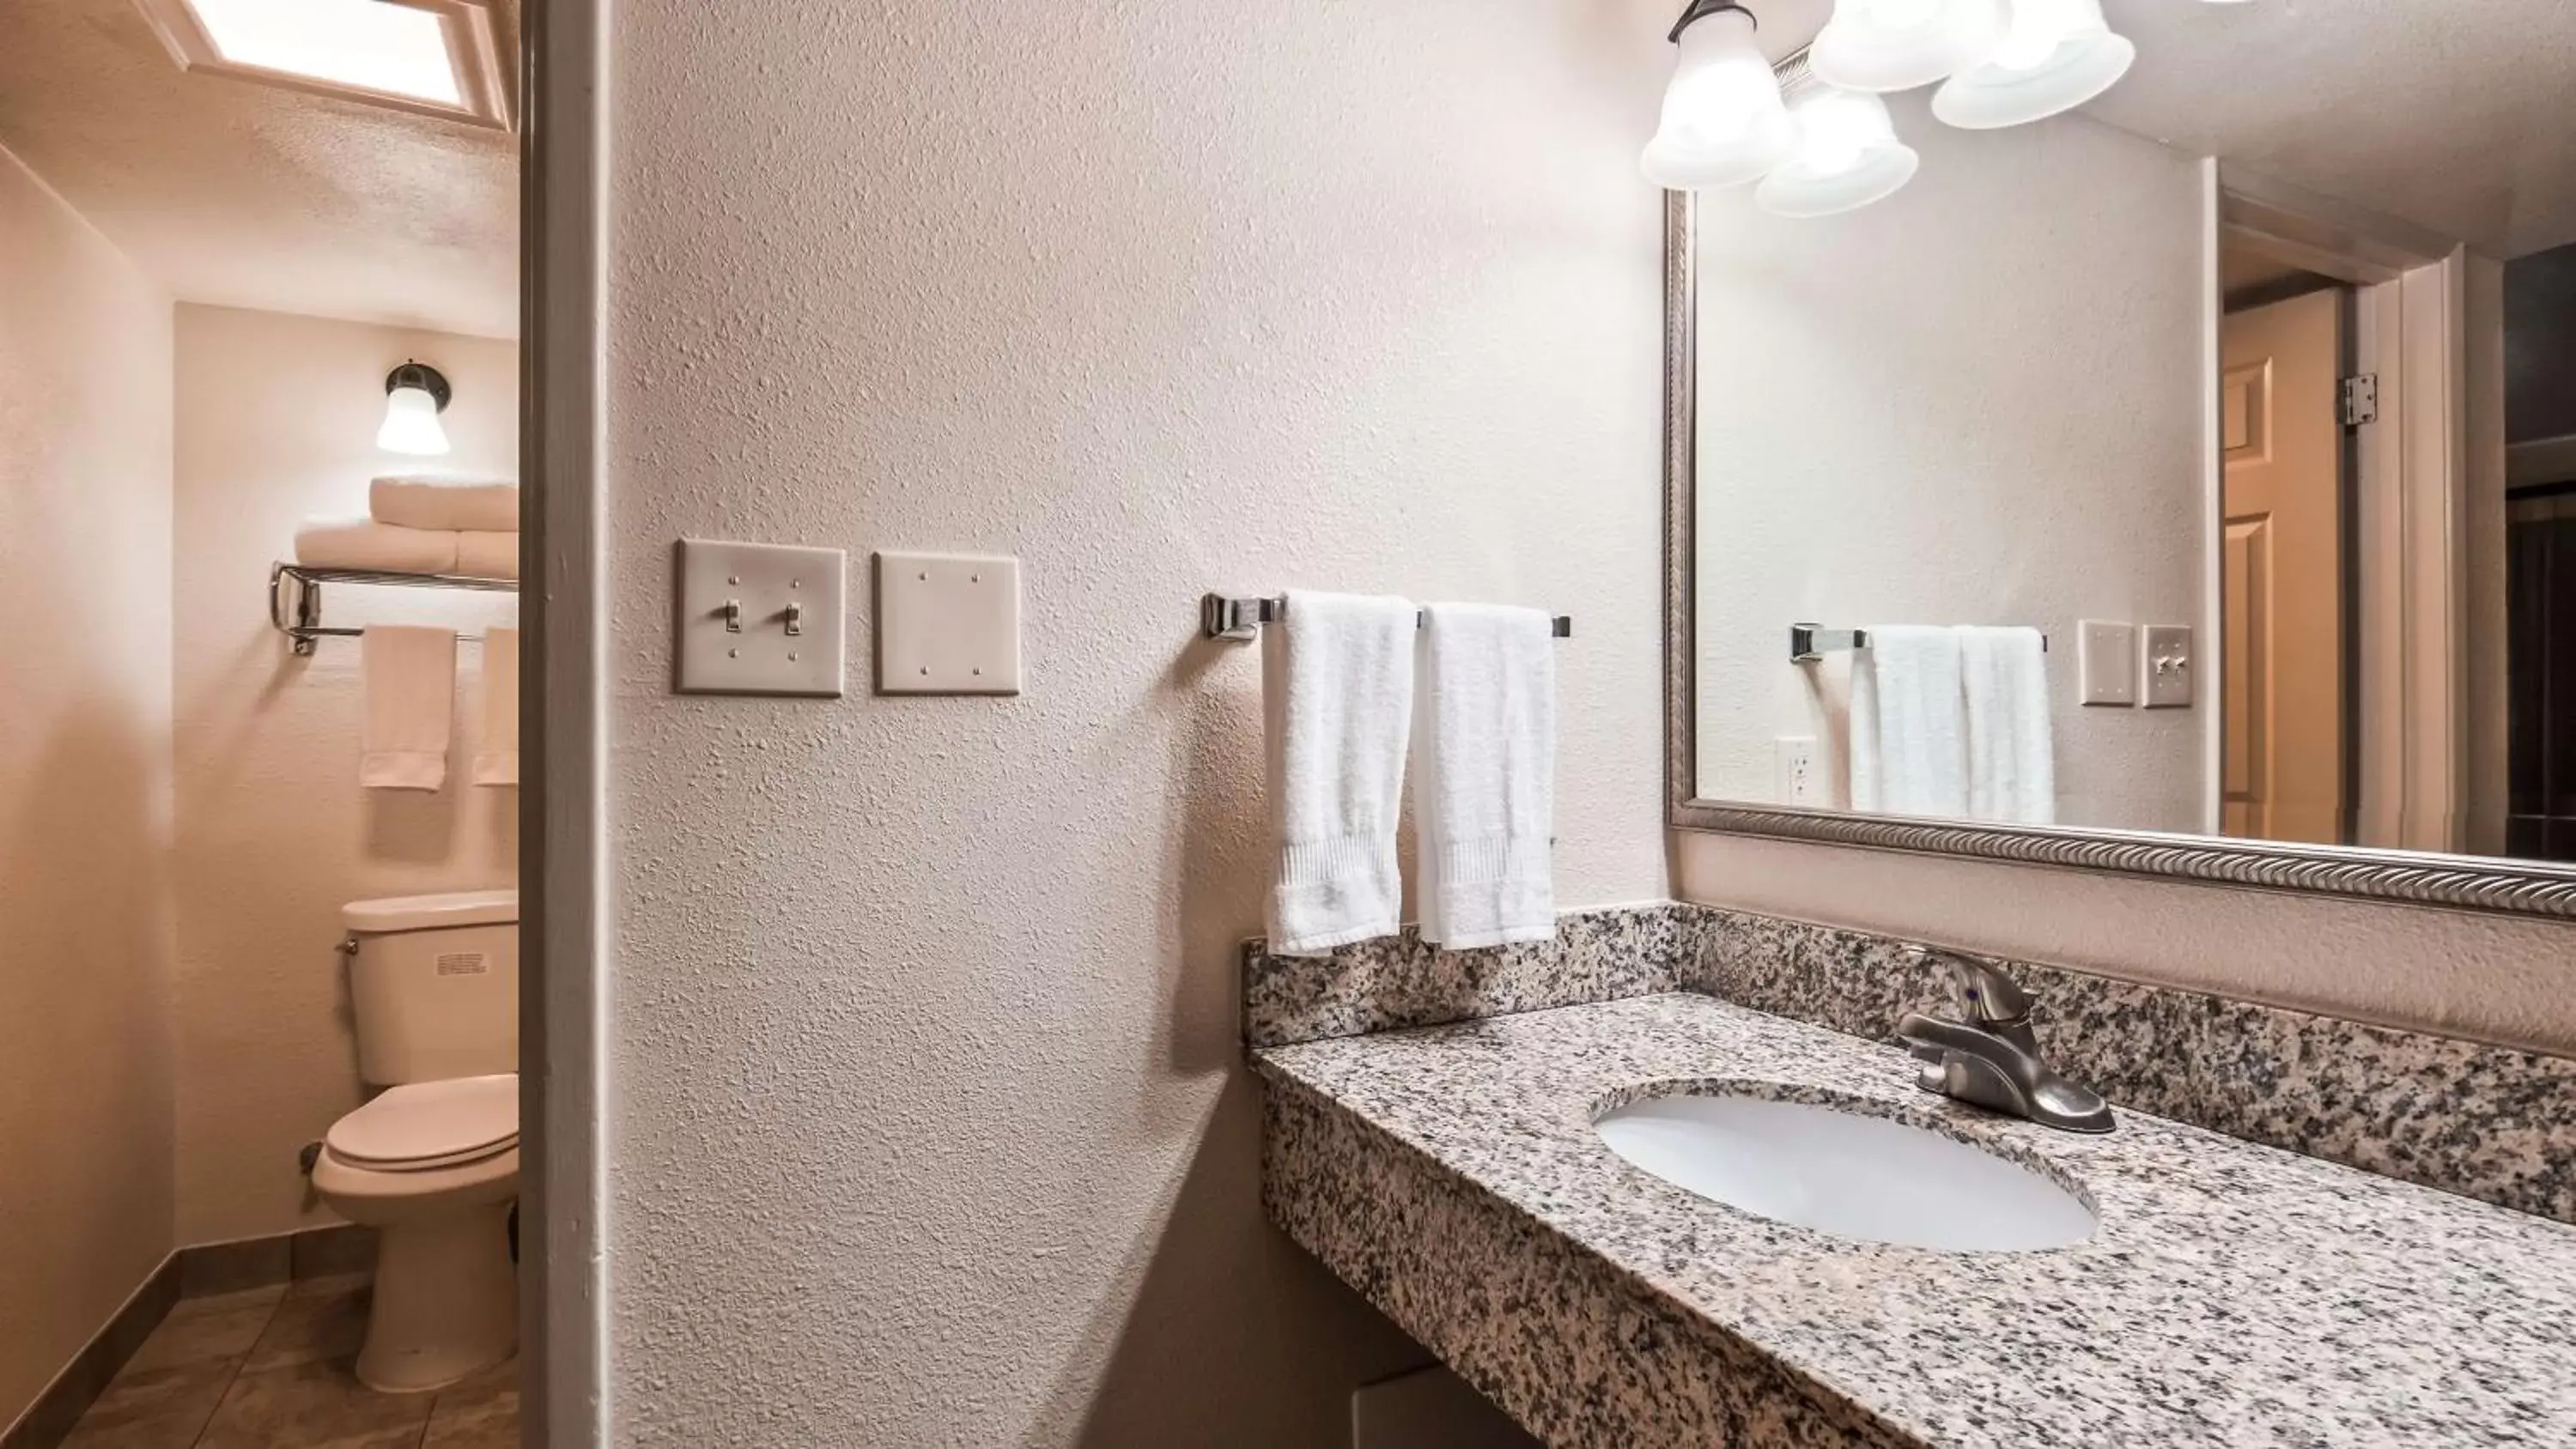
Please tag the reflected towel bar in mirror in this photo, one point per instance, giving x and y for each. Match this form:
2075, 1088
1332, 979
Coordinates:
1809, 643
1221, 617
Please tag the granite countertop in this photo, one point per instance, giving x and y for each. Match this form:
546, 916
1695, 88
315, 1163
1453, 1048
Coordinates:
2232, 1295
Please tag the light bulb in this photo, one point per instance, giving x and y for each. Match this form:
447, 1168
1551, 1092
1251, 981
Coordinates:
1723, 121
411, 424
1896, 45
2057, 55
1847, 156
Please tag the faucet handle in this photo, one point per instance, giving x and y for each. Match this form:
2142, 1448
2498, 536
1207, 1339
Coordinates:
1983, 993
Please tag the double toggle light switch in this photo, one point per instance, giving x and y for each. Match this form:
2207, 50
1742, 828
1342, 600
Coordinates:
761, 618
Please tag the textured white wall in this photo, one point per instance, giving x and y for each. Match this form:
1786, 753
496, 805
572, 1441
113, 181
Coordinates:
1976, 402
277, 420
926, 1123
85, 911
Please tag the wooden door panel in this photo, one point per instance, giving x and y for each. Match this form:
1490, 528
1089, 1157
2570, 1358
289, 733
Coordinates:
2281, 572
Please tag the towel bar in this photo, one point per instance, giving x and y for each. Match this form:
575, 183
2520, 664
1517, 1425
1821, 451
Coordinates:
1809, 643
1221, 617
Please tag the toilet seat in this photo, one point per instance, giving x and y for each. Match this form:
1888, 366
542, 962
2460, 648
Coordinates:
426, 1126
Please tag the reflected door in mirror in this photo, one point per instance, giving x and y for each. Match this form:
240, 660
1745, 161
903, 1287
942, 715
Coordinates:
2282, 576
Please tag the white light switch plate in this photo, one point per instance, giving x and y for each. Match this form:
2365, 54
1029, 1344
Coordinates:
760, 618
2169, 666
948, 623
2107, 655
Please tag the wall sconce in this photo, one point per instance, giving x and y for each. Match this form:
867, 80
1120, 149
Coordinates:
415, 394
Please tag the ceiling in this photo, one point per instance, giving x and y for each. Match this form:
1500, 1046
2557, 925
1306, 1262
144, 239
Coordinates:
247, 195
2451, 114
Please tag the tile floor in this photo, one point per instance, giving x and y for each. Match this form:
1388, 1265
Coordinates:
269, 1368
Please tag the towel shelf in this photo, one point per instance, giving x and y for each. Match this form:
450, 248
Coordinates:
1809, 643
305, 626
1221, 617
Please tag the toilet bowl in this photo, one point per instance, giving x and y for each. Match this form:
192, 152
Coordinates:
433, 1167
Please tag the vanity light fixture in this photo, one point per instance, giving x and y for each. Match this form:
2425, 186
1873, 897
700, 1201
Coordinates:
1847, 156
1723, 121
415, 394
1896, 45
2057, 55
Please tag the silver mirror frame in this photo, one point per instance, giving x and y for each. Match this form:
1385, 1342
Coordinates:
2457, 882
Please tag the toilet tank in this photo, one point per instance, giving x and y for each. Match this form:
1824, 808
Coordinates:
434, 984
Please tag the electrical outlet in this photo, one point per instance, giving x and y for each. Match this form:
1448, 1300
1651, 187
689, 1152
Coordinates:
1795, 756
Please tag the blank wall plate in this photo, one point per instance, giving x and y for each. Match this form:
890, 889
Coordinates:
2169, 666
760, 618
948, 623
2108, 661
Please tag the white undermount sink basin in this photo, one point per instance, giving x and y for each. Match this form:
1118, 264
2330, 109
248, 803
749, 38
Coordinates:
1869, 1179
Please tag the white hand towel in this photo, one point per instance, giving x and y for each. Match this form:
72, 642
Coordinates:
496, 755
411, 694
1484, 774
1909, 748
469, 504
482, 555
363, 543
1337, 690
2012, 773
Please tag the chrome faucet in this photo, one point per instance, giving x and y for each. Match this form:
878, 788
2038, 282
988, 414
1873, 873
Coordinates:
1990, 1056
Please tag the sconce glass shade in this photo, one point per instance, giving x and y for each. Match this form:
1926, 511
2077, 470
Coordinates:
414, 396
1896, 45
1724, 123
2058, 55
1847, 156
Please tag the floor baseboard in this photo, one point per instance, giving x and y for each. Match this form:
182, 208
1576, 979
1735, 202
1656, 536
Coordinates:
198, 1271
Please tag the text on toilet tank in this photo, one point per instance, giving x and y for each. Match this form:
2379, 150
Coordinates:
464, 963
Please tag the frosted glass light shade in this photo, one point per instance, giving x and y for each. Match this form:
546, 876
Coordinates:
2058, 55
1847, 156
411, 424
1724, 123
1896, 45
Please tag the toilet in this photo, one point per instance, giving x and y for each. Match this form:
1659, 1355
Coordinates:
432, 1161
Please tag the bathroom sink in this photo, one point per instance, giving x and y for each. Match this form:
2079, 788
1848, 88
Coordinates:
1869, 1179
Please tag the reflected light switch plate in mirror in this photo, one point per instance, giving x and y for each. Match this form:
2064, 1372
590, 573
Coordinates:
760, 618
2107, 658
948, 623
2169, 666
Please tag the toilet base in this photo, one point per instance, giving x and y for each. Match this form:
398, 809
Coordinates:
447, 1300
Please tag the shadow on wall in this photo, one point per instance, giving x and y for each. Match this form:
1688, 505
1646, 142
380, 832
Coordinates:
85, 1037
1220, 1297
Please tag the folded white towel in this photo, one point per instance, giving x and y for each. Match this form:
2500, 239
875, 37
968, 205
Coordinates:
363, 543
411, 693
452, 504
487, 555
1337, 690
2012, 774
1484, 774
496, 754
1909, 750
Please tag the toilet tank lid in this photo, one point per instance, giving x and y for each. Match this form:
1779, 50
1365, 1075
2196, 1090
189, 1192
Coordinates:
423, 913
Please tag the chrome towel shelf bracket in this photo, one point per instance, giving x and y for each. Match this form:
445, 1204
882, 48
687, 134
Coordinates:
296, 611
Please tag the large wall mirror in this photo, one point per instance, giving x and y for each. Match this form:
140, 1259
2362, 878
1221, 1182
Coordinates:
2183, 482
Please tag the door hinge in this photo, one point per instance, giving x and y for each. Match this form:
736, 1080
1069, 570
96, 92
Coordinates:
2361, 400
